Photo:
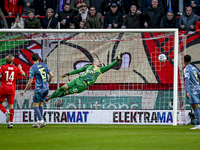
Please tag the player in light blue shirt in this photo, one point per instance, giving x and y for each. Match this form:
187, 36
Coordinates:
39, 71
192, 87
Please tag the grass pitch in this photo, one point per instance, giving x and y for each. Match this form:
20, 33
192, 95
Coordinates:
98, 137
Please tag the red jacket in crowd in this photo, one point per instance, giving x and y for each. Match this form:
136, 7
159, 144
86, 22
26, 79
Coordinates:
11, 6
197, 28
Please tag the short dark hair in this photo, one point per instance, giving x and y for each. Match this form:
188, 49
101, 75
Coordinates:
66, 4
35, 57
187, 58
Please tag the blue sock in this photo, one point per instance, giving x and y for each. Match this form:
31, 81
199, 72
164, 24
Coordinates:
197, 116
41, 109
37, 112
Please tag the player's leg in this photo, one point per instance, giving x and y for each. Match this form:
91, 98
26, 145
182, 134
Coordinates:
62, 90
11, 100
36, 101
2, 99
194, 99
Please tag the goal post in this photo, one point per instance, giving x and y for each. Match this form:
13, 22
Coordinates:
102, 42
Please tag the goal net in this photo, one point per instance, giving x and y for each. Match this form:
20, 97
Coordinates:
137, 90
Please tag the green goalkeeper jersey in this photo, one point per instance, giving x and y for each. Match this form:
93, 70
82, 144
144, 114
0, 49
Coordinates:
90, 76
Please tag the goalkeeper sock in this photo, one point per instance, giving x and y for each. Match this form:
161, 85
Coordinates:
2, 108
37, 112
197, 116
58, 93
41, 109
11, 115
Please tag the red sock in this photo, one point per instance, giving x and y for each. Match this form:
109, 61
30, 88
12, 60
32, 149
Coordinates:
11, 115
2, 108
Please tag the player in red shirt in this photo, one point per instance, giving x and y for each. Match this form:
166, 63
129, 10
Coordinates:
9, 74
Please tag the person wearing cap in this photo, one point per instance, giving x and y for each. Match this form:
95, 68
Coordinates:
119, 3
83, 12
113, 18
94, 19
75, 5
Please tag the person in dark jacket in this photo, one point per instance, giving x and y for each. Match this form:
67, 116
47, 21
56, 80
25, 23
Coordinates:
49, 22
28, 5
120, 4
169, 21
146, 3
188, 20
41, 6
113, 18
129, 3
133, 19
99, 5
153, 15
94, 19
66, 17
31, 22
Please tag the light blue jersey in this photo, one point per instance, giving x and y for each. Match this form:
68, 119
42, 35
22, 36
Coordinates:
40, 71
192, 86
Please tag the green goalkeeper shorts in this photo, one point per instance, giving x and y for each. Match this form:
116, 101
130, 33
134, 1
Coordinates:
76, 86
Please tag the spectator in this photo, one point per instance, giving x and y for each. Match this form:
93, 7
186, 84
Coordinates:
154, 14
12, 8
49, 22
4, 20
94, 19
129, 3
82, 25
28, 5
195, 4
83, 12
18, 23
188, 20
197, 28
173, 6
169, 21
113, 18
75, 5
72, 25
133, 19
2, 7
41, 6
146, 3
59, 6
66, 16
99, 5
120, 4
31, 22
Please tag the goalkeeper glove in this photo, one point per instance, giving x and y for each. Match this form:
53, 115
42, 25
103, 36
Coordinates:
119, 57
63, 76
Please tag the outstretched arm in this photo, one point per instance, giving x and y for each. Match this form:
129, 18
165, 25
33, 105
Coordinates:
74, 72
106, 68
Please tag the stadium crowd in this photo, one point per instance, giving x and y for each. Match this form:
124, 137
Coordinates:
99, 14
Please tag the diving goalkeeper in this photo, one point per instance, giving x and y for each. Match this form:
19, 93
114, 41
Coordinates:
80, 84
